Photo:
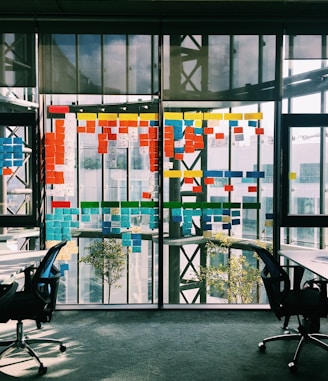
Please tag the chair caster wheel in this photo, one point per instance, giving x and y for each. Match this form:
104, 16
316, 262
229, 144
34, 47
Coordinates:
292, 367
62, 348
262, 346
42, 370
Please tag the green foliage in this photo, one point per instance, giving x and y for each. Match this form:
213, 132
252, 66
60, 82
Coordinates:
237, 279
108, 259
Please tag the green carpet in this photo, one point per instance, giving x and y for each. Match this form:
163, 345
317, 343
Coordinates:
167, 345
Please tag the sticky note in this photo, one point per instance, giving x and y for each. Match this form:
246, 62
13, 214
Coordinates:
292, 176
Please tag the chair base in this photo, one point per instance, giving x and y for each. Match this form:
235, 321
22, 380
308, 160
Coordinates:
303, 337
24, 344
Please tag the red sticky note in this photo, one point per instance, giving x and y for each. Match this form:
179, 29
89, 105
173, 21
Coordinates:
238, 130
259, 131
209, 181
61, 204
252, 188
219, 135
228, 188
58, 109
197, 189
188, 180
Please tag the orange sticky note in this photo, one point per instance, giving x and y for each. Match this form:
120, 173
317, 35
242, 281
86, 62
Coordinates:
91, 123
102, 123
59, 123
146, 195
123, 130
259, 131
178, 156
143, 143
228, 188
252, 188
7, 171
208, 130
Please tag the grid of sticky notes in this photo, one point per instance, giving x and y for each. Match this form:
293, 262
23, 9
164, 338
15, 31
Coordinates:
59, 223
11, 154
214, 216
111, 216
113, 130
60, 146
125, 215
184, 132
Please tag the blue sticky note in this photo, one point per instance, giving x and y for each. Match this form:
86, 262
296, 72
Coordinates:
85, 217
230, 174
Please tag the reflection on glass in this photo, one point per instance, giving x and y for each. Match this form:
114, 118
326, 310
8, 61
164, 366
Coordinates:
304, 170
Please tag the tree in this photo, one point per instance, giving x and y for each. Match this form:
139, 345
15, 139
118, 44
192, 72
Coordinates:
108, 258
237, 279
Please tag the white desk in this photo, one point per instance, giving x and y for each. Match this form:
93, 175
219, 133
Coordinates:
13, 263
314, 260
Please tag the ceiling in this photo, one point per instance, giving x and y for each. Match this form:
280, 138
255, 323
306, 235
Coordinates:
61, 8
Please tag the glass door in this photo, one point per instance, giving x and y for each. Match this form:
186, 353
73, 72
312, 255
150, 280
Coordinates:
304, 170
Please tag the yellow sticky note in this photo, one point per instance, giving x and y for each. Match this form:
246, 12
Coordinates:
193, 115
172, 174
128, 116
253, 115
207, 234
226, 219
212, 116
193, 173
292, 176
230, 116
149, 116
86, 116
268, 223
173, 115
107, 116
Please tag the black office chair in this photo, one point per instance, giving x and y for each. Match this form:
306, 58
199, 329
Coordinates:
37, 301
307, 304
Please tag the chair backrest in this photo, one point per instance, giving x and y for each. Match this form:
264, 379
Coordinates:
275, 279
45, 281
45, 268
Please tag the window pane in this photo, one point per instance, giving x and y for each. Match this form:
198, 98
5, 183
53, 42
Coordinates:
90, 65
17, 64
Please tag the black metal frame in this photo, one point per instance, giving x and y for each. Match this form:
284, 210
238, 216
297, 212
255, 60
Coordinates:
33, 219
288, 121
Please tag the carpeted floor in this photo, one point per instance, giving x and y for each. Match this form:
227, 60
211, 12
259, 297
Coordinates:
164, 345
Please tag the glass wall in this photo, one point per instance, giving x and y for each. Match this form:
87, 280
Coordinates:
166, 145
124, 163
